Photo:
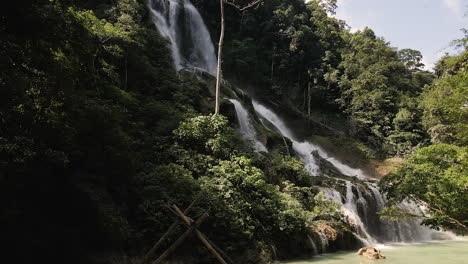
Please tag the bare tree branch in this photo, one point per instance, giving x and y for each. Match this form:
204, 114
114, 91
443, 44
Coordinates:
242, 8
221, 40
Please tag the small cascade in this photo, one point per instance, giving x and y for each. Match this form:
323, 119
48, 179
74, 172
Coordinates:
351, 212
323, 242
305, 149
247, 129
312, 244
361, 200
286, 145
275, 255
181, 23
377, 196
332, 194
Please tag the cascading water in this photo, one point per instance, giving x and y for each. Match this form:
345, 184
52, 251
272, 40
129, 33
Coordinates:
181, 23
191, 45
312, 244
323, 242
247, 129
304, 149
351, 212
361, 200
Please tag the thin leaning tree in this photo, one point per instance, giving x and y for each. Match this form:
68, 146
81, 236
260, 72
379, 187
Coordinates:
242, 8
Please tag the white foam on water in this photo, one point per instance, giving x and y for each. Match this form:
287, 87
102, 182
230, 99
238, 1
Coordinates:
247, 129
168, 16
305, 149
407, 231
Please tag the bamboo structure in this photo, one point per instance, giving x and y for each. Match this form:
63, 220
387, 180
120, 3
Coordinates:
192, 228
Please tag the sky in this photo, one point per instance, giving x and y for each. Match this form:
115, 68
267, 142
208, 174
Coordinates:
425, 25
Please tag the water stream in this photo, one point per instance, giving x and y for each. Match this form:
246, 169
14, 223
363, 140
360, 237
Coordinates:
304, 149
361, 199
246, 127
181, 23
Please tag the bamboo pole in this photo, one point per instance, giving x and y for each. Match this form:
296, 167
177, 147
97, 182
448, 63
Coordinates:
174, 246
219, 72
220, 251
224, 255
180, 240
171, 228
210, 247
200, 236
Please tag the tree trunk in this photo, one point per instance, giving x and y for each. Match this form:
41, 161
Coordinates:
272, 67
220, 53
308, 100
210, 247
126, 73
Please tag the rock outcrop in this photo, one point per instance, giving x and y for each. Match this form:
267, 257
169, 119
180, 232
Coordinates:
371, 253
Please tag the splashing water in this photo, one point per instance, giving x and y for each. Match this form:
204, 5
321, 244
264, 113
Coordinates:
312, 244
304, 149
191, 46
181, 23
362, 199
246, 127
351, 212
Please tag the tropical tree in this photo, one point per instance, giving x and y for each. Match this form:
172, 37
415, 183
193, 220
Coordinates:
436, 178
445, 102
411, 58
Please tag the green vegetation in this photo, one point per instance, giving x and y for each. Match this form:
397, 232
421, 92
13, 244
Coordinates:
88, 99
251, 206
437, 176
445, 103
98, 132
357, 76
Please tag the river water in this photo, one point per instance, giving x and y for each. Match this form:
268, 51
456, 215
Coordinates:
454, 252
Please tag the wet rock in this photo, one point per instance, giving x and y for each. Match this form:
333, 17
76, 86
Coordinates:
228, 110
371, 253
326, 167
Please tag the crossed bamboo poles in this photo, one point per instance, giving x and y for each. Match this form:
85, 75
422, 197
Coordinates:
192, 227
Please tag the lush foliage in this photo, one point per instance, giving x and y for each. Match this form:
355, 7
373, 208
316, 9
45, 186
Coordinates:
248, 204
379, 93
357, 76
87, 97
445, 102
206, 134
435, 177
98, 132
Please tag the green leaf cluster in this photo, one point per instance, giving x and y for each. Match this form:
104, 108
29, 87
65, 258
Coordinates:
436, 178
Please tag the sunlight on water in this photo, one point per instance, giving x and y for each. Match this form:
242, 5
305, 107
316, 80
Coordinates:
428, 253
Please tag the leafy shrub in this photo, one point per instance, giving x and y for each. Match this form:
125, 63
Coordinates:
437, 178
206, 134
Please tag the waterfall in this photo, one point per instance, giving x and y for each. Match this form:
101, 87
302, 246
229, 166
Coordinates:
351, 212
182, 25
304, 149
362, 198
312, 244
273, 251
247, 129
180, 22
323, 242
